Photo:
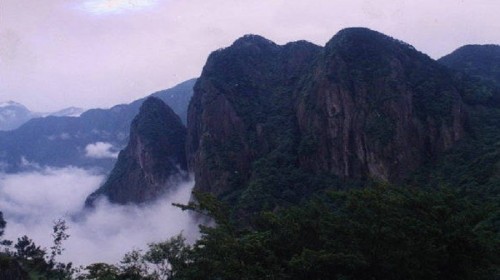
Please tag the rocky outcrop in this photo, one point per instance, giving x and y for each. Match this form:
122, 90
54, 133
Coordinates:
243, 88
365, 105
376, 107
153, 161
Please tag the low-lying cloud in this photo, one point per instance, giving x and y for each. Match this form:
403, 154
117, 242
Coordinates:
32, 201
100, 150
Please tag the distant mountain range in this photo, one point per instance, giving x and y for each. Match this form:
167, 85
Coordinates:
91, 140
13, 114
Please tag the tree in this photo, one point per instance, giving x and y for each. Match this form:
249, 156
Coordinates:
27, 250
2, 228
36, 261
100, 271
168, 257
379, 232
2, 224
59, 234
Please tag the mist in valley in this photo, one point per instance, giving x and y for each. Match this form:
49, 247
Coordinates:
33, 201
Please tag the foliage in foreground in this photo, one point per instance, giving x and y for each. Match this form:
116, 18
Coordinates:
371, 233
26, 260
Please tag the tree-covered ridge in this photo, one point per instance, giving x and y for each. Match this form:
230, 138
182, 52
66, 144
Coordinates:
472, 163
481, 61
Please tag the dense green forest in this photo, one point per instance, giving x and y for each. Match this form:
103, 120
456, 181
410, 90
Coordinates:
380, 232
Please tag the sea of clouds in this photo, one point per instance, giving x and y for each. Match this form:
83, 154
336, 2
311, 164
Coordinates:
32, 201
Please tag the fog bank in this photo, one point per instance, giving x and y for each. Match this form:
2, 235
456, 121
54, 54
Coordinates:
32, 201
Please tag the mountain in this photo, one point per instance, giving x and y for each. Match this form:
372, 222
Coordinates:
154, 160
476, 60
268, 124
475, 68
474, 163
91, 140
68, 112
13, 114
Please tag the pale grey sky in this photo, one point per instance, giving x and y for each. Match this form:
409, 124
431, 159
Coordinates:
98, 53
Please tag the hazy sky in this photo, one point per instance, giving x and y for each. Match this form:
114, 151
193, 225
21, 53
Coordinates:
98, 53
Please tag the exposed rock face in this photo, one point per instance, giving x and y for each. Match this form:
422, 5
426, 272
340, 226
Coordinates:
376, 107
153, 161
242, 87
365, 105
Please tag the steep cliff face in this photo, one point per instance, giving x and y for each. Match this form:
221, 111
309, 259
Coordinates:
243, 90
365, 105
376, 107
153, 161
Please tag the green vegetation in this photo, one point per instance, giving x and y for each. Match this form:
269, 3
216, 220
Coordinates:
381, 232
480, 61
26, 260
380, 128
2, 224
377, 232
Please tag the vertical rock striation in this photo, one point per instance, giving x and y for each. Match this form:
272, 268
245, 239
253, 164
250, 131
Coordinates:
376, 107
153, 161
365, 105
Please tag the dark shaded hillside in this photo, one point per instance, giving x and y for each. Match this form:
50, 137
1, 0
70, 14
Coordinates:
474, 163
481, 61
61, 141
154, 160
269, 124
244, 110
476, 68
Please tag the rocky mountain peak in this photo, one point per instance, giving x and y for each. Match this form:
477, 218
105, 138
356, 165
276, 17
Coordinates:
11, 103
253, 41
153, 161
364, 106
13, 115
